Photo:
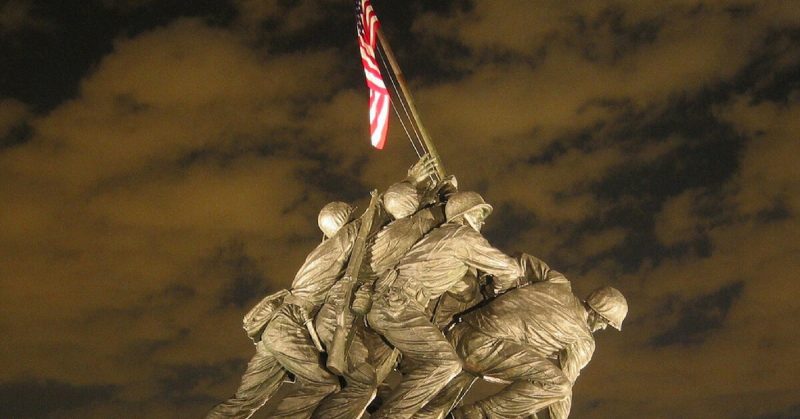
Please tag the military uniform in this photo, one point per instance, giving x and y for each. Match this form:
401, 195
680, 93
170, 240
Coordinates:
400, 311
535, 338
369, 356
287, 346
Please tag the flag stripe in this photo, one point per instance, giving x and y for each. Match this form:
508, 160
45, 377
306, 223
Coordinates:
382, 121
379, 100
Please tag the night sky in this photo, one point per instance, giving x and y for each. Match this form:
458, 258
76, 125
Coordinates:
162, 164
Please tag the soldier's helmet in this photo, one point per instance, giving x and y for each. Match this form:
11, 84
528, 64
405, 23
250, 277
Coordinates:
401, 200
610, 304
462, 202
333, 216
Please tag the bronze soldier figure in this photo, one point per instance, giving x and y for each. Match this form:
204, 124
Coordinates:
400, 311
536, 339
368, 352
369, 358
287, 343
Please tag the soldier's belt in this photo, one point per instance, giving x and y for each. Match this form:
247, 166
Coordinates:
411, 289
306, 306
308, 309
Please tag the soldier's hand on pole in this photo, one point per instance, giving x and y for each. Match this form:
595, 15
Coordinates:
448, 186
421, 172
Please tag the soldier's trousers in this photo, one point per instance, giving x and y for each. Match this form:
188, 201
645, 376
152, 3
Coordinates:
367, 360
429, 360
285, 347
535, 381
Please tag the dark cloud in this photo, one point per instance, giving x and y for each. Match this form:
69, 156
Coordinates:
44, 398
74, 42
244, 280
16, 135
791, 412
162, 165
506, 230
18, 16
699, 317
187, 383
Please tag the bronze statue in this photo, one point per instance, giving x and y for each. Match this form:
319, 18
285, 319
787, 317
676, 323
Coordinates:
400, 310
287, 343
368, 353
513, 338
413, 260
286, 339
370, 359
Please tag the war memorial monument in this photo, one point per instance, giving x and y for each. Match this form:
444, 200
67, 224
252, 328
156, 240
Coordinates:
410, 288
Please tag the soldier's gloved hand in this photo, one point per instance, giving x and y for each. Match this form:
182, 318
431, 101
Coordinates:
447, 187
362, 301
488, 292
419, 174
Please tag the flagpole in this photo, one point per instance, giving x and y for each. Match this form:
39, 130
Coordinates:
395, 67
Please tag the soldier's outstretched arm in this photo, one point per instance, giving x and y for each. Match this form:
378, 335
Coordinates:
536, 270
465, 289
476, 252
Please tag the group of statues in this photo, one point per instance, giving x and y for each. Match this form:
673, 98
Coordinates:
433, 300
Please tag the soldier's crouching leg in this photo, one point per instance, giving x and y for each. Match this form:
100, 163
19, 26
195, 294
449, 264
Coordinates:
536, 382
429, 360
263, 377
447, 398
361, 382
353, 399
287, 338
524, 398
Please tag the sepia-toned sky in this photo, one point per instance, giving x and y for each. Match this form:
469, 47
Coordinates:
162, 164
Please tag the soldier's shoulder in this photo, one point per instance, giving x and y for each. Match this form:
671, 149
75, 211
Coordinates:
460, 230
559, 291
344, 237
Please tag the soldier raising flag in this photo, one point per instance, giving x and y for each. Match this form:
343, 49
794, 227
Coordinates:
370, 291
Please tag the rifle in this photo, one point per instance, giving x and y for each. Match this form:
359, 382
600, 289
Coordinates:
343, 336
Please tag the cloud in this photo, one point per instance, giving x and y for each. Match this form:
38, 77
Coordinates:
14, 128
153, 207
699, 317
12, 113
284, 18
522, 104
168, 93
18, 15
40, 399
715, 313
678, 222
769, 177
646, 146
125, 5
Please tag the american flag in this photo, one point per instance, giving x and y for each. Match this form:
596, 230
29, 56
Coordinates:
379, 99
